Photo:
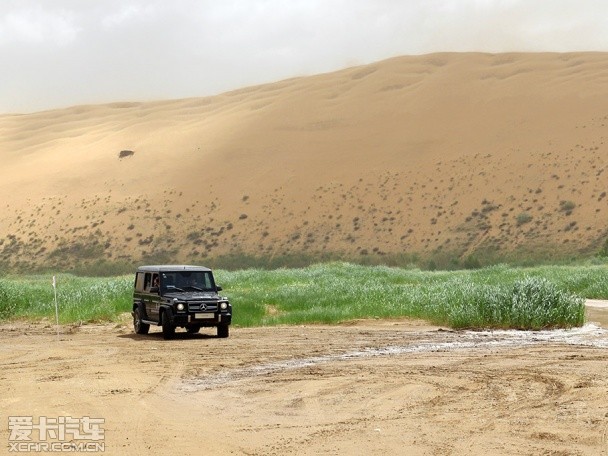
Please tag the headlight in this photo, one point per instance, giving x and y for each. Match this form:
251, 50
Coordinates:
180, 306
223, 305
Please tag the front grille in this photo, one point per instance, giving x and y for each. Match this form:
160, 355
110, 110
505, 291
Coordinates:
202, 306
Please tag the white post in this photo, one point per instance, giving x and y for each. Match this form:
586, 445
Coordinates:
56, 305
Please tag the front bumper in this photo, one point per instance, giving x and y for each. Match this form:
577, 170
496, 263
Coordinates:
202, 319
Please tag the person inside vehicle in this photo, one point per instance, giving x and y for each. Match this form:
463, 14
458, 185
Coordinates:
156, 283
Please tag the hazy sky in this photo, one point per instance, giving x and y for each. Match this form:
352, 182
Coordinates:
57, 53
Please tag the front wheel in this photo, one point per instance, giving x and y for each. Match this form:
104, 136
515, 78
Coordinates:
168, 326
193, 329
223, 331
138, 325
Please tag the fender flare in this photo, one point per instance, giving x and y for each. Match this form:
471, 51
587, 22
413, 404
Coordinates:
165, 310
139, 305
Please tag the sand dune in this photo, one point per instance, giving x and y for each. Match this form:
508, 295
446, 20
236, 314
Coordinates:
439, 157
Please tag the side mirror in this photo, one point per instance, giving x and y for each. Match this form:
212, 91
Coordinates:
218, 288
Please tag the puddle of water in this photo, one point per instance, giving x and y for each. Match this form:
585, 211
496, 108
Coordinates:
589, 335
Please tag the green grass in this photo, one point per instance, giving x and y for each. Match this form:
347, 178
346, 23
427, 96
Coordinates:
79, 298
492, 297
495, 297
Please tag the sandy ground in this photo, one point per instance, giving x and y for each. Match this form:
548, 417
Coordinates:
369, 387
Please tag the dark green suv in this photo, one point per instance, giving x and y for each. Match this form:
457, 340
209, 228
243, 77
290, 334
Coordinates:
174, 296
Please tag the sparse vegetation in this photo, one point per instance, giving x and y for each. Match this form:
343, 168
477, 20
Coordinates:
523, 218
567, 206
86, 249
472, 262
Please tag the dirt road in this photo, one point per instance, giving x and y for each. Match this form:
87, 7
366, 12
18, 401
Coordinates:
379, 387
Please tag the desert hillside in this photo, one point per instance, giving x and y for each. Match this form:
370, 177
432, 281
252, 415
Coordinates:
437, 159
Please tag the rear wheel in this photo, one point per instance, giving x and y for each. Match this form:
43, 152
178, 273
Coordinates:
168, 326
223, 331
138, 325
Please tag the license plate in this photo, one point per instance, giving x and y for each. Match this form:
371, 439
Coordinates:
202, 316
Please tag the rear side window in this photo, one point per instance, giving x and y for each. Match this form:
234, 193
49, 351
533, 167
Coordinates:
147, 281
139, 281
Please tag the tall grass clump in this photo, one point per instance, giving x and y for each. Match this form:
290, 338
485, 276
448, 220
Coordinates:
79, 298
94, 299
537, 303
531, 303
7, 305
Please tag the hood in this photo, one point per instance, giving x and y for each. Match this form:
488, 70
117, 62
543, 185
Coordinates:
193, 295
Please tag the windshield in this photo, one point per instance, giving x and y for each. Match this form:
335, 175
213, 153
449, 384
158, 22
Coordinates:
186, 281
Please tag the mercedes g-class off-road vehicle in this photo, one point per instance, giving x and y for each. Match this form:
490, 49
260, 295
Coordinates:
185, 296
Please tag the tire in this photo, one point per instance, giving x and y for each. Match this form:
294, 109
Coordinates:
193, 329
168, 326
138, 325
223, 331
